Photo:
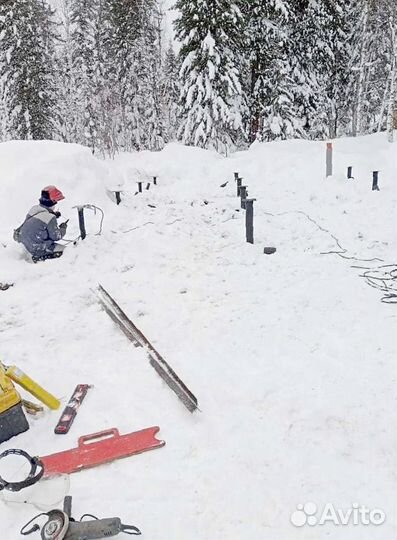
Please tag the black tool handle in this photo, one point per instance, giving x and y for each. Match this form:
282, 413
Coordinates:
67, 505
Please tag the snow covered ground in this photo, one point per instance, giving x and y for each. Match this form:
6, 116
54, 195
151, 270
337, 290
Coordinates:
292, 356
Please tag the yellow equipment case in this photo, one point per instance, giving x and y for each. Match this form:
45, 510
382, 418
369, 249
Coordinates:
12, 418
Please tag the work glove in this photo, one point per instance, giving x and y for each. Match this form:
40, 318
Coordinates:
62, 228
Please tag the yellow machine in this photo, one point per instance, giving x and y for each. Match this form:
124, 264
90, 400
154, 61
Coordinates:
8, 395
32, 387
12, 418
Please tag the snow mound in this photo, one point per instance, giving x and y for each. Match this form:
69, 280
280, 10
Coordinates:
28, 166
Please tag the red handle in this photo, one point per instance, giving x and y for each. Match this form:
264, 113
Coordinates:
111, 433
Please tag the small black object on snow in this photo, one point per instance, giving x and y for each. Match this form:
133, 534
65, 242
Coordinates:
224, 185
269, 250
5, 286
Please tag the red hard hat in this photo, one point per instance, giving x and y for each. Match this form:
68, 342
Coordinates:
52, 193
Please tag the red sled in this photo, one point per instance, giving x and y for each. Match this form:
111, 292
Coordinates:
102, 447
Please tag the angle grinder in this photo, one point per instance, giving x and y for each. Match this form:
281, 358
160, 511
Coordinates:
61, 526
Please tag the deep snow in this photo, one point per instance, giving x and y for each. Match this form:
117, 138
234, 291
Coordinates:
292, 356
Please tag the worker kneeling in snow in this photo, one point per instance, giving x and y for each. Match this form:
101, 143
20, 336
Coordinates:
40, 232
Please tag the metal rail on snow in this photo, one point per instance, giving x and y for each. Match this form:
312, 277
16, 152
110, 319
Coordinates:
139, 340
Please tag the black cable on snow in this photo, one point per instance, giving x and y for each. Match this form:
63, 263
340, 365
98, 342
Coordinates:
36, 471
383, 278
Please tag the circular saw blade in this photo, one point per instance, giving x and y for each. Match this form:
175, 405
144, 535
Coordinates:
56, 526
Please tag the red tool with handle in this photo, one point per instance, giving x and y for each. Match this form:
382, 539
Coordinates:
99, 448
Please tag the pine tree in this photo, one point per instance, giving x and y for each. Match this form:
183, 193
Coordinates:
308, 55
211, 97
361, 46
106, 98
170, 91
378, 85
267, 70
3, 113
83, 18
69, 127
390, 27
339, 25
277, 88
129, 45
372, 64
259, 55
154, 113
27, 69
320, 51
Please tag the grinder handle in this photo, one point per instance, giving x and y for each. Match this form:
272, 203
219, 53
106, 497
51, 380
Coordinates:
93, 529
98, 528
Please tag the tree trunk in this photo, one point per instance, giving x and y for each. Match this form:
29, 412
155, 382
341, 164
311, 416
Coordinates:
357, 105
391, 107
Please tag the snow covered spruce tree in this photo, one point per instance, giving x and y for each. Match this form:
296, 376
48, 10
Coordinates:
364, 51
27, 69
3, 113
211, 97
271, 93
152, 78
372, 66
69, 110
308, 55
83, 19
318, 49
390, 26
332, 24
89, 108
258, 56
341, 29
170, 91
129, 49
320, 36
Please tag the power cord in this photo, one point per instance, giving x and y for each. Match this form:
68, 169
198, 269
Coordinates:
340, 253
94, 208
36, 471
378, 277
383, 278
